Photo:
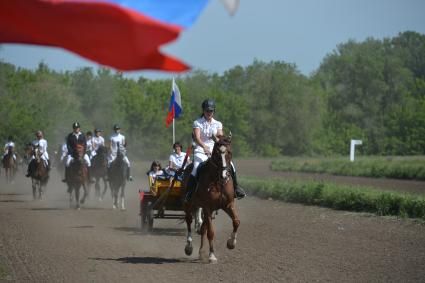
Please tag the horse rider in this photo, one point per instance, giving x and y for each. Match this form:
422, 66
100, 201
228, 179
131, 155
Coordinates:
10, 144
97, 141
89, 142
73, 141
204, 128
118, 140
41, 144
64, 150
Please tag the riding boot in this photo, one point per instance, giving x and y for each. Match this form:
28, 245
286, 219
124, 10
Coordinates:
239, 192
191, 185
90, 175
66, 175
29, 171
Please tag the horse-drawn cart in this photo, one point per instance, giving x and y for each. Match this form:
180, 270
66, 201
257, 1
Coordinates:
163, 200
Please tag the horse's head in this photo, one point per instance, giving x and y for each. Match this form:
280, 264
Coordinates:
10, 149
79, 152
37, 154
222, 152
120, 153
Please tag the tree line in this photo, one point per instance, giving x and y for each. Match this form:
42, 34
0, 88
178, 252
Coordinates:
372, 90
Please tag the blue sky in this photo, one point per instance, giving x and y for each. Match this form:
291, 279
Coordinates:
300, 32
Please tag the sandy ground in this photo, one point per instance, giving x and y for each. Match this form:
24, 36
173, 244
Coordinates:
46, 241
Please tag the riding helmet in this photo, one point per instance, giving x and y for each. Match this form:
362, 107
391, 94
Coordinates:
208, 104
116, 127
76, 125
97, 130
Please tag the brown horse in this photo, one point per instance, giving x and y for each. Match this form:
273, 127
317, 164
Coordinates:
117, 176
99, 170
214, 191
9, 165
77, 177
39, 174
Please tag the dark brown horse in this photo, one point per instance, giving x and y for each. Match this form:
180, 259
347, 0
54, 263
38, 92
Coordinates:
214, 191
99, 170
117, 175
9, 165
39, 175
77, 177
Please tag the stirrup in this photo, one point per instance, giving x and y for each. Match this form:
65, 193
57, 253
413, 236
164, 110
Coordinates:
239, 193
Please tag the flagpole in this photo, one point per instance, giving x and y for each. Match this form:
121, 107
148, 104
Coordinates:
174, 133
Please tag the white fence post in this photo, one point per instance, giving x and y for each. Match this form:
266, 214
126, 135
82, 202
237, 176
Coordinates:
352, 148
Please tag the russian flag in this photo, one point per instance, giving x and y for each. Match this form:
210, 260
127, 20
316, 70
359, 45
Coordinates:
123, 34
175, 107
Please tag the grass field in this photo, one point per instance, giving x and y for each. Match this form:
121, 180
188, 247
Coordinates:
410, 168
340, 197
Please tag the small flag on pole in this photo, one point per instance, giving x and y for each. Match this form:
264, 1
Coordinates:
175, 107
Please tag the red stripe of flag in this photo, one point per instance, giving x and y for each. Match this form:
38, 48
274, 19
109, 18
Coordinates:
103, 32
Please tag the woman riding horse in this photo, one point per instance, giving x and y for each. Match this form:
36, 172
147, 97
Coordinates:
204, 129
214, 191
9, 160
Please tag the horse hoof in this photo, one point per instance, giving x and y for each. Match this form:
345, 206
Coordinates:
231, 244
114, 207
188, 249
212, 259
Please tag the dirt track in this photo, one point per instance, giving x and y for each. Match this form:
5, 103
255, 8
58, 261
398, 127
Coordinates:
45, 241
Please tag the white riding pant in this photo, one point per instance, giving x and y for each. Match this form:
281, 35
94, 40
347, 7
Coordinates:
112, 158
45, 158
14, 156
197, 159
70, 158
201, 157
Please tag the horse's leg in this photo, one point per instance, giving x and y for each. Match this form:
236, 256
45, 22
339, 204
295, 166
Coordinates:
77, 196
85, 191
122, 196
203, 233
70, 195
231, 211
188, 249
198, 220
105, 187
34, 188
210, 235
97, 187
114, 197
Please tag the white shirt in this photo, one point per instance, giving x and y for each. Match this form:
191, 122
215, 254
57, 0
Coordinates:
207, 130
89, 144
115, 139
153, 174
42, 145
64, 149
98, 141
178, 159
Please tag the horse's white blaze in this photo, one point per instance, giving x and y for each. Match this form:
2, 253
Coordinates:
223, 158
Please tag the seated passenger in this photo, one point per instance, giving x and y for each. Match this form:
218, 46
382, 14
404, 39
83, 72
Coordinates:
176, 159
156, 170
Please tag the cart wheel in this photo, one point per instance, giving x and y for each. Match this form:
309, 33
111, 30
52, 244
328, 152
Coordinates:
150, 215
145, 212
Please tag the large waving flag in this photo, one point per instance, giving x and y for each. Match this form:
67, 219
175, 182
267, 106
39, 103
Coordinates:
175, 107
123, 34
